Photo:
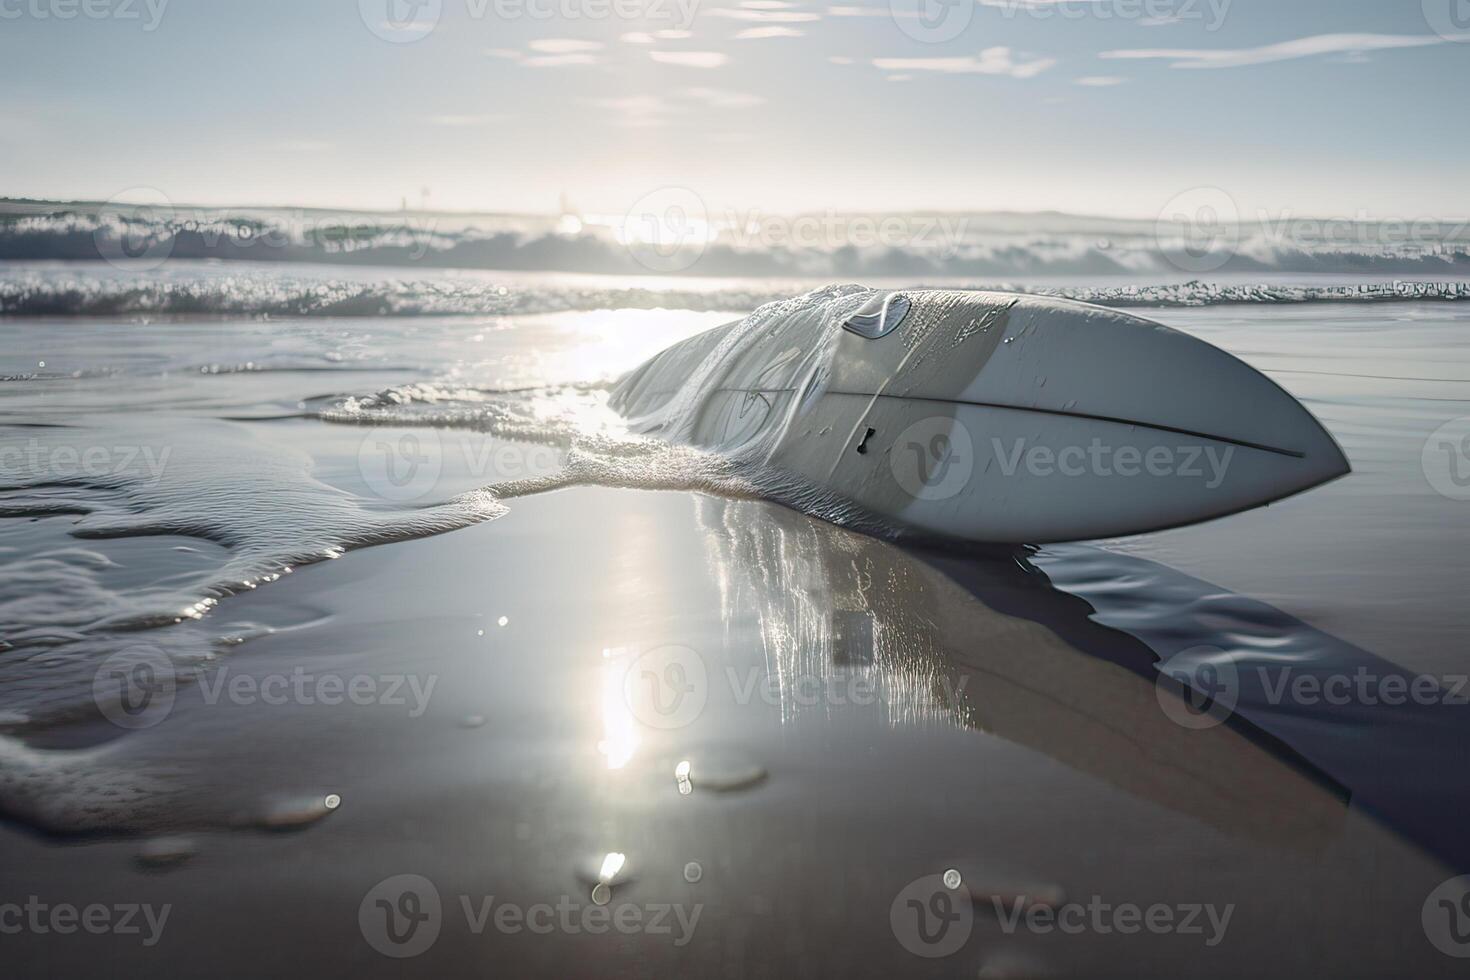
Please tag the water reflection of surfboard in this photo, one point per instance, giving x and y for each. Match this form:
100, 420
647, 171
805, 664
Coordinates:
987, 416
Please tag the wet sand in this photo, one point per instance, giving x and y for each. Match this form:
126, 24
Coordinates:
865, 723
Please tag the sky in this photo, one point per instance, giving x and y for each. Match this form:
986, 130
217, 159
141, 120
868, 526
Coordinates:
1325, 107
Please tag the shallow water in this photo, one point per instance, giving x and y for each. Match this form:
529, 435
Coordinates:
202, 489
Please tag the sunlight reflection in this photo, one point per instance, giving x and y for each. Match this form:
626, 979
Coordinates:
846, 624
619, 727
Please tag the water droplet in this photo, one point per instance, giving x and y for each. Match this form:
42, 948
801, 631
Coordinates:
479, 632
612, 864
724, 772
610, 868
601, 894
952, 879
681, 775
290, 813
693, 872
332, 801
166, 852
473, 721
1008, 965
504, 620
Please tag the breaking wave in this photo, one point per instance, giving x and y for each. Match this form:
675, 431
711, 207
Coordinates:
196, 289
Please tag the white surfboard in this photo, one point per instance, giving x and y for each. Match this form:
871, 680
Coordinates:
987, 416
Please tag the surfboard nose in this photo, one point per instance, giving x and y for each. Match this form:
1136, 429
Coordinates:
1092, 362
1092, 376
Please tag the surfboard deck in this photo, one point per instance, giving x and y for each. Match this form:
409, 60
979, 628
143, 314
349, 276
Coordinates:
987, 416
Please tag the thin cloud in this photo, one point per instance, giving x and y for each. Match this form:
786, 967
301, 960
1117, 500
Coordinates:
718, 98
552, 52
558, 60
1099, 81
645, 111
467, 121
767, 16
756, 33
563, 45
642, 111
991, 61
690, 59
1302, 47
1038, 3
